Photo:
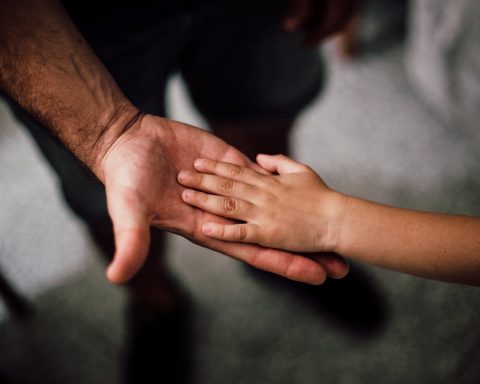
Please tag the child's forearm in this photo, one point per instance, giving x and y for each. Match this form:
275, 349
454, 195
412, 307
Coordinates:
444, 247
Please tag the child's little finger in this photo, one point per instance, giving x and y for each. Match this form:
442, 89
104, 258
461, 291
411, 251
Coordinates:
244, 233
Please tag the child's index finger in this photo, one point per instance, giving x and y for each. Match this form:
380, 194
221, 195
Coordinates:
229, 171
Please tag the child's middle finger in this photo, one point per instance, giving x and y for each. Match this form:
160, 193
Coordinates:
224, 206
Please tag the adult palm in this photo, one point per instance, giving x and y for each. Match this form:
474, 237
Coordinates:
140, 173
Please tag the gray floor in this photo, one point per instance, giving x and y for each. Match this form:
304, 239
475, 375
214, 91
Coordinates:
369, 136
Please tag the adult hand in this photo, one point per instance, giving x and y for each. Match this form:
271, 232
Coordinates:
318, 19
140, 171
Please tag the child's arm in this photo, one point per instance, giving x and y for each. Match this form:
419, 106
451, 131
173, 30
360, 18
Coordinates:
295, 210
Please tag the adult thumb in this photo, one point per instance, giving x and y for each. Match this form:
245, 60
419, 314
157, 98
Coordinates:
132, 236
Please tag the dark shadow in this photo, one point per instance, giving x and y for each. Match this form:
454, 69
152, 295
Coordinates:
159, 346
18, 306
354, 304
4, 379
75, 338
159, 342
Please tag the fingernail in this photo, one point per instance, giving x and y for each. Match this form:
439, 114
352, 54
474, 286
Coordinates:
187, 193
183, 175
207, 228
198, 163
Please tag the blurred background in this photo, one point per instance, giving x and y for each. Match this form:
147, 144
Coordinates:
397, 123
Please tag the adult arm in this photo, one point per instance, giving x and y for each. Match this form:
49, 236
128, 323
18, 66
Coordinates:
49, 69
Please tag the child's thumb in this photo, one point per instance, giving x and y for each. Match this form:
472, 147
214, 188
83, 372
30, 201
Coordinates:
280, 164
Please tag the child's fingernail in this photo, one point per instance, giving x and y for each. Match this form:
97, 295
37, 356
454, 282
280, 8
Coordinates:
207, 228
198, 163
183, 175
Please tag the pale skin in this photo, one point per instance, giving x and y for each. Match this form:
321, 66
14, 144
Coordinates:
293, 209
48, 68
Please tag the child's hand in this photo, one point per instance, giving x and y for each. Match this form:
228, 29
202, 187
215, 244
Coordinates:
292, 210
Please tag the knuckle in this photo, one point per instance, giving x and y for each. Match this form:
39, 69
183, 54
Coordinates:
240, 232
235, 171
225, 185
229, 204
222, 232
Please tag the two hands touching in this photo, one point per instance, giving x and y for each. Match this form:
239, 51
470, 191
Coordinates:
140, 168
245, 210
66, 88
290, 208
265, 214
140, 173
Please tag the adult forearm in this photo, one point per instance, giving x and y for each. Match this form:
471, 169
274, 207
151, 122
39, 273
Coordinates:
48, 68
445, 247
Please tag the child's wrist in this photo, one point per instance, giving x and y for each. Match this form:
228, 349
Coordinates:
334, 209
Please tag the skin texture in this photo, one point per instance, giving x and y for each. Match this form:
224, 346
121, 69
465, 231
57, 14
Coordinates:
276, 214
48, 68
294, 209
140, 177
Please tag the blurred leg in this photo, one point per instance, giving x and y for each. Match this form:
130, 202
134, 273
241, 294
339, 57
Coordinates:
270, 137
249, 77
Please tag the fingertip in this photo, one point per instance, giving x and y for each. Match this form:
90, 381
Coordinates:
338, 269
319, 279
127, 262
264, 161
182, 176
335, 266
314, 275
340, 273
114, 276
187, 194
199, 163
131, 249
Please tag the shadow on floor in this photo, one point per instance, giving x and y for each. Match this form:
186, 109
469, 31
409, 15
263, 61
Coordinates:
354, 304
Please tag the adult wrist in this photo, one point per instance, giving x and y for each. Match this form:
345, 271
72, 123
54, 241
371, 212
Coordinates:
112, 125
